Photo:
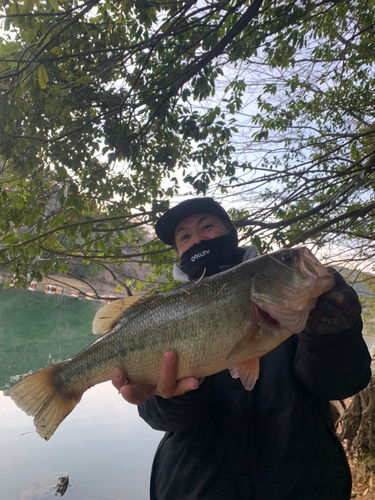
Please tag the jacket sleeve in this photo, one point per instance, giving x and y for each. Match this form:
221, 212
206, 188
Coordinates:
177, 413
334, 366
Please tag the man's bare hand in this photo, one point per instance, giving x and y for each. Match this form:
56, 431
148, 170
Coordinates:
166, 387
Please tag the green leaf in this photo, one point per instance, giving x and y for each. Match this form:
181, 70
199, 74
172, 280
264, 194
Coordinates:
43, 77
84, 79
6, 26
10, 48
10, 238
58, 221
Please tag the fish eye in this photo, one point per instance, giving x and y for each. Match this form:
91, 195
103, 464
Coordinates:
286, 258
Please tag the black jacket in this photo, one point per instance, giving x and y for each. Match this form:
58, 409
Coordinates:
276, 442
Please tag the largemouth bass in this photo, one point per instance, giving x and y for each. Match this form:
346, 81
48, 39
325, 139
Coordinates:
225, 321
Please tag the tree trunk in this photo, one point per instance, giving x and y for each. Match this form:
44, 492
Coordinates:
356, 424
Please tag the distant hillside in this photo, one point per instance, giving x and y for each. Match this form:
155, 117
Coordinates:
364, 285
360, 281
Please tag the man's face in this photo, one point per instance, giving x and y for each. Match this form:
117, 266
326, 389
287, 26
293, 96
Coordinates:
197, 228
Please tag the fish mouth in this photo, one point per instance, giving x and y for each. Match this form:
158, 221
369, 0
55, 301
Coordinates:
267, 318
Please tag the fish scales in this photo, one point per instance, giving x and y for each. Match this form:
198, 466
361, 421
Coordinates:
198, 313
225, 321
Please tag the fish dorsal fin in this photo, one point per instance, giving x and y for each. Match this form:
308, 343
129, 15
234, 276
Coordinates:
244, 344
247, 372
107, 316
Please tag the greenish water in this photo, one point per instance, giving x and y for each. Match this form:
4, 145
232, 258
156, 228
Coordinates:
37, 328
103, 445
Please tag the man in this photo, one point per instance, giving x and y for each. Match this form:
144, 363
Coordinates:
276, 442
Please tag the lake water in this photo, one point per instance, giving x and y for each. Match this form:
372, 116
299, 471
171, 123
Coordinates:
103, 445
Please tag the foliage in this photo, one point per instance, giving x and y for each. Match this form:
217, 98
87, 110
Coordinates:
315, 127
106, 106
94, 117
368, 305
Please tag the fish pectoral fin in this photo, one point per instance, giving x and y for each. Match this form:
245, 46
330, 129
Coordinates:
244, 344
247, 372
107, 315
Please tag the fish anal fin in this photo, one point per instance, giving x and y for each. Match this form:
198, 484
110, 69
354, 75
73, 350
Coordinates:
247, 372
244, 344
107, 315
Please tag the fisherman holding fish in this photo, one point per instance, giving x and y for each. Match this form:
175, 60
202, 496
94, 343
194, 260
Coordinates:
277, 440
237, 366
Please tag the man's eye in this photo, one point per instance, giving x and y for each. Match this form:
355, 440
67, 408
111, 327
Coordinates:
207, 226
184, 237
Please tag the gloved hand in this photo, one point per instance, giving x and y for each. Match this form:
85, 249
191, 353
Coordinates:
336, 310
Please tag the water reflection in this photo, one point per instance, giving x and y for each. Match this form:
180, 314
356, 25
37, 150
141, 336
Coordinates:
36, 329
103, 445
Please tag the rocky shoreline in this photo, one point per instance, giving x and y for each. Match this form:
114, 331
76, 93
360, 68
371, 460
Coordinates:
64, 285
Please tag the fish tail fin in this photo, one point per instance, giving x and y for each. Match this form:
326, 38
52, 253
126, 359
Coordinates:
39, 395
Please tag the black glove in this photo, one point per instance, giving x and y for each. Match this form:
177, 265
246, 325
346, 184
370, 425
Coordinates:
336, 310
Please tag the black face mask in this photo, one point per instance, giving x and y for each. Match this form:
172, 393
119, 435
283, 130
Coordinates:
214, 255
